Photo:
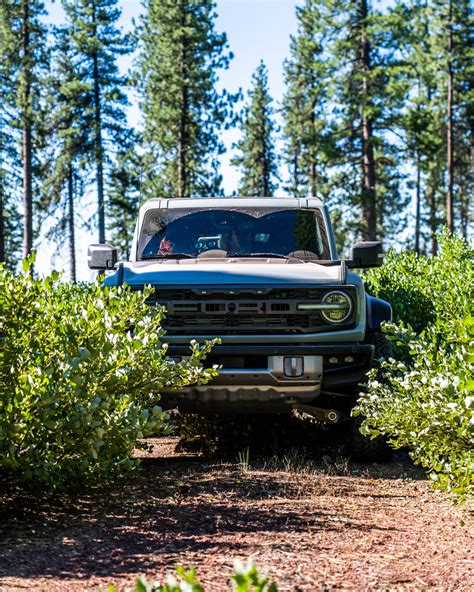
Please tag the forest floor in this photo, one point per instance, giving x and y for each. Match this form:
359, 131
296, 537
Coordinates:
313, 523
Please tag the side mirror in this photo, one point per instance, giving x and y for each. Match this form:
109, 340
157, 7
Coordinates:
101, 257
366, 254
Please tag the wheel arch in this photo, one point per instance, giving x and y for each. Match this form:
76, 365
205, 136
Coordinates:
378, 310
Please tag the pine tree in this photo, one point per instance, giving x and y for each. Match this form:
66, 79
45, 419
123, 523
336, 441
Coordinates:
181, 53
69, 121
460, 132
98, 43
256, 156
367, 99
124, 196
423, 121
23, 51
437, 123
342, 101
10, 174
307, 131
10, 218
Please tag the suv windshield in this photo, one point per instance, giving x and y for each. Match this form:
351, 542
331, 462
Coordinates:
219, 232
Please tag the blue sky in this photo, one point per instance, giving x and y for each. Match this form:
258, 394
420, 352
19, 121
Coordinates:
256, 29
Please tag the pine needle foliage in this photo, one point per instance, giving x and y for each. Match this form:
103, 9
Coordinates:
180, 56
25, 60
69, 121
98, 44
256, 157
308, 130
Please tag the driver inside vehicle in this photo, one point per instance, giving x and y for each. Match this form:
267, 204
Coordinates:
166, 246
160, 245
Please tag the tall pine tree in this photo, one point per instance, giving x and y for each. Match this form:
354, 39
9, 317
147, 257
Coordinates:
10, 166
23, 51
180, 56
437, 121
98, 43
10, 180
124, 196
460, 115
368, 98
307, 131
256, 156
342, 102
423, 124
70, 119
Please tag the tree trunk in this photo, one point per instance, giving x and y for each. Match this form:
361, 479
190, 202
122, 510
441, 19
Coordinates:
183, 139
313, 175
418, 203
450, 148
70, 222
265, 186
464, 211
468, 196
2, 223
296, 173
26, 136
99, 151
2, 203
433, 222
471, 120
369, 212
264, 180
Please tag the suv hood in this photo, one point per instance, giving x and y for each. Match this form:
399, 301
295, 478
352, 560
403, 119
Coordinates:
197, 273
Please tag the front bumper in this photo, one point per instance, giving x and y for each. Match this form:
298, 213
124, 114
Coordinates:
262, 378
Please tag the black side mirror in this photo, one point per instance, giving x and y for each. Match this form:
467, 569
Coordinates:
366, 254
101, 257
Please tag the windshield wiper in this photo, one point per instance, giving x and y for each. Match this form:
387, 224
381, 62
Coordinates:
276, 255
169, 256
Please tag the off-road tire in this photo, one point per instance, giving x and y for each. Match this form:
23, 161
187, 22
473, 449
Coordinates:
362, 448
383, 349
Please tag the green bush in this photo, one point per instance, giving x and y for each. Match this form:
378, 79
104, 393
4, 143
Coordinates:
428, 406
426, 401
81, 369
245, 578
424, 290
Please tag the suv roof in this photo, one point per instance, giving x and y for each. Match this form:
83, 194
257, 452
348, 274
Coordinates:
245, 202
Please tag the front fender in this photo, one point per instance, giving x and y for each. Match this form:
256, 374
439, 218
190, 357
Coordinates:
377, 311
116, 278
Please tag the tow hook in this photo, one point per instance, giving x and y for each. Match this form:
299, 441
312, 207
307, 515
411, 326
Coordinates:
326, 415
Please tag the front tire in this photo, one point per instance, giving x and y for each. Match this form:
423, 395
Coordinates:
364, 449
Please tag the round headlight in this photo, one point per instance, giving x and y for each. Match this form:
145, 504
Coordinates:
337, 307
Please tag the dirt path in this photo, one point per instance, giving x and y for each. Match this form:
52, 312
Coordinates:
313, 526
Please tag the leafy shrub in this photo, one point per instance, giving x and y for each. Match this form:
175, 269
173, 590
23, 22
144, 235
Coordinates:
245, 578
424, 290
426, 401
428, 406
81, 369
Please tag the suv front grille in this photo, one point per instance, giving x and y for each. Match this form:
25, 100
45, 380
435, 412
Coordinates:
243, 311
235, 324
